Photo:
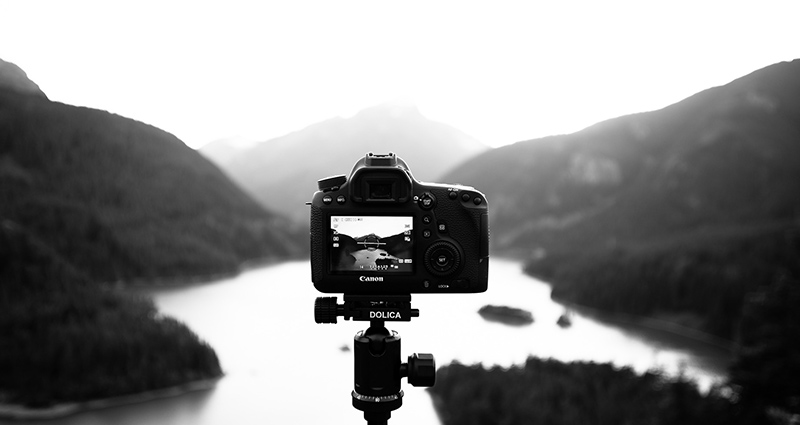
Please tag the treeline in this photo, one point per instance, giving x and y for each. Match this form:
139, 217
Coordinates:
704, 278
555, 393
767, 359
63, 338
88, 197
123, 200
761, 389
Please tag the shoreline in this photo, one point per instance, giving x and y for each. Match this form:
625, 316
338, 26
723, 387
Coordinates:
21, 413
632, 321
651, 323
203, 279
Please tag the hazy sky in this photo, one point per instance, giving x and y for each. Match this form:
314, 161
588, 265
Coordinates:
381, 226
500, 71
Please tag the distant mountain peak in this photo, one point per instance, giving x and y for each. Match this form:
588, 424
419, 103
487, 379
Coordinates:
15, 79
290, 165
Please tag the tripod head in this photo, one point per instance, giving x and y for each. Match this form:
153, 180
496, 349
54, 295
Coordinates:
377, 352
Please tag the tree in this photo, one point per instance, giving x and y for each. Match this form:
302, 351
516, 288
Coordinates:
767, 362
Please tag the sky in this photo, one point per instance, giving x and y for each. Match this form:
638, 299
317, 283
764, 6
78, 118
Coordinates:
501, 71
382, 226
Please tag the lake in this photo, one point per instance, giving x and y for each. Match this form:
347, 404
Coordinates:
282, 367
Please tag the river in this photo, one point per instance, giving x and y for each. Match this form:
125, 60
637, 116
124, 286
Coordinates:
282, 367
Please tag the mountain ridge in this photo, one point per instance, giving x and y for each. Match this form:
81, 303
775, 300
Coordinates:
291, 164
13, 78
87, 198
664, 197
142, 188
630, 146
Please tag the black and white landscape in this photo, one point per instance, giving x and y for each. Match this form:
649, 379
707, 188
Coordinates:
687, 215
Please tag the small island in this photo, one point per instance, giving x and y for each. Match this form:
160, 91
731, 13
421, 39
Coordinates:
506, 315
564, 320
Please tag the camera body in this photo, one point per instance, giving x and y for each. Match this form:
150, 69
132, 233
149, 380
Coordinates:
381, 232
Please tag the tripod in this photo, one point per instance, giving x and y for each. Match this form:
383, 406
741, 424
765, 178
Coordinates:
378, 370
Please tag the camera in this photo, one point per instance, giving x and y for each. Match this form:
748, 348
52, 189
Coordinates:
382, 232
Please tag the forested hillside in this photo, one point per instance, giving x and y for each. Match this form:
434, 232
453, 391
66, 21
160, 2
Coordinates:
88, 198
676, 213
66, 339
122, 200
555, 393
761, 388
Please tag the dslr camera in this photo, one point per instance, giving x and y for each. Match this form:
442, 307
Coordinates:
382, 232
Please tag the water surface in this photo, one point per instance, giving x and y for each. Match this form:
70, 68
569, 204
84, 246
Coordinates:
282, 367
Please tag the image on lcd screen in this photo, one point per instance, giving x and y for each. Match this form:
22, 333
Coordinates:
371, 244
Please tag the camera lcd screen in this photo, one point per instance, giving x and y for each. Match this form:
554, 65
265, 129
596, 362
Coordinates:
371, 244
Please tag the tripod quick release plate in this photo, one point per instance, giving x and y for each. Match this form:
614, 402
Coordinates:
396, 308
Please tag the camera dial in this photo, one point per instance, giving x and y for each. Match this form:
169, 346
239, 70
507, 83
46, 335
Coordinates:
331, 183
442, 258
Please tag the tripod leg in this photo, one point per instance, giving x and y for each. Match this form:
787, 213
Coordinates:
377, 418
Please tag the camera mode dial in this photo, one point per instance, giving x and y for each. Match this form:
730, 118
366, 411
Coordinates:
427, 201
331, 183
442, 258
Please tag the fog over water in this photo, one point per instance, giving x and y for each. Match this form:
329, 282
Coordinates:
281, 366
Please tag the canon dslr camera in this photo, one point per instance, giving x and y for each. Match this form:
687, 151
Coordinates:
380, 231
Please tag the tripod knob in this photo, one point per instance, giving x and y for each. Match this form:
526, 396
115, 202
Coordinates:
325, 309
420, 369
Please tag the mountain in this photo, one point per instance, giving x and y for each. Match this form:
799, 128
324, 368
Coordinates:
222, 151
283, 172
87, 198
13, 78
122, 200
675, 213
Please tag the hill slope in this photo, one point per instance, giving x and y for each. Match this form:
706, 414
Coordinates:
61, 335
698, 199
287, 168
13, 78
123, 200
85, 197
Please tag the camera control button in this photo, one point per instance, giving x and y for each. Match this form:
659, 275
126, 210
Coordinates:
327, 199
341, 199
426, 233
442, 258
442, 227
477, 200
465, 197
427, 201
453, 195
426, 219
